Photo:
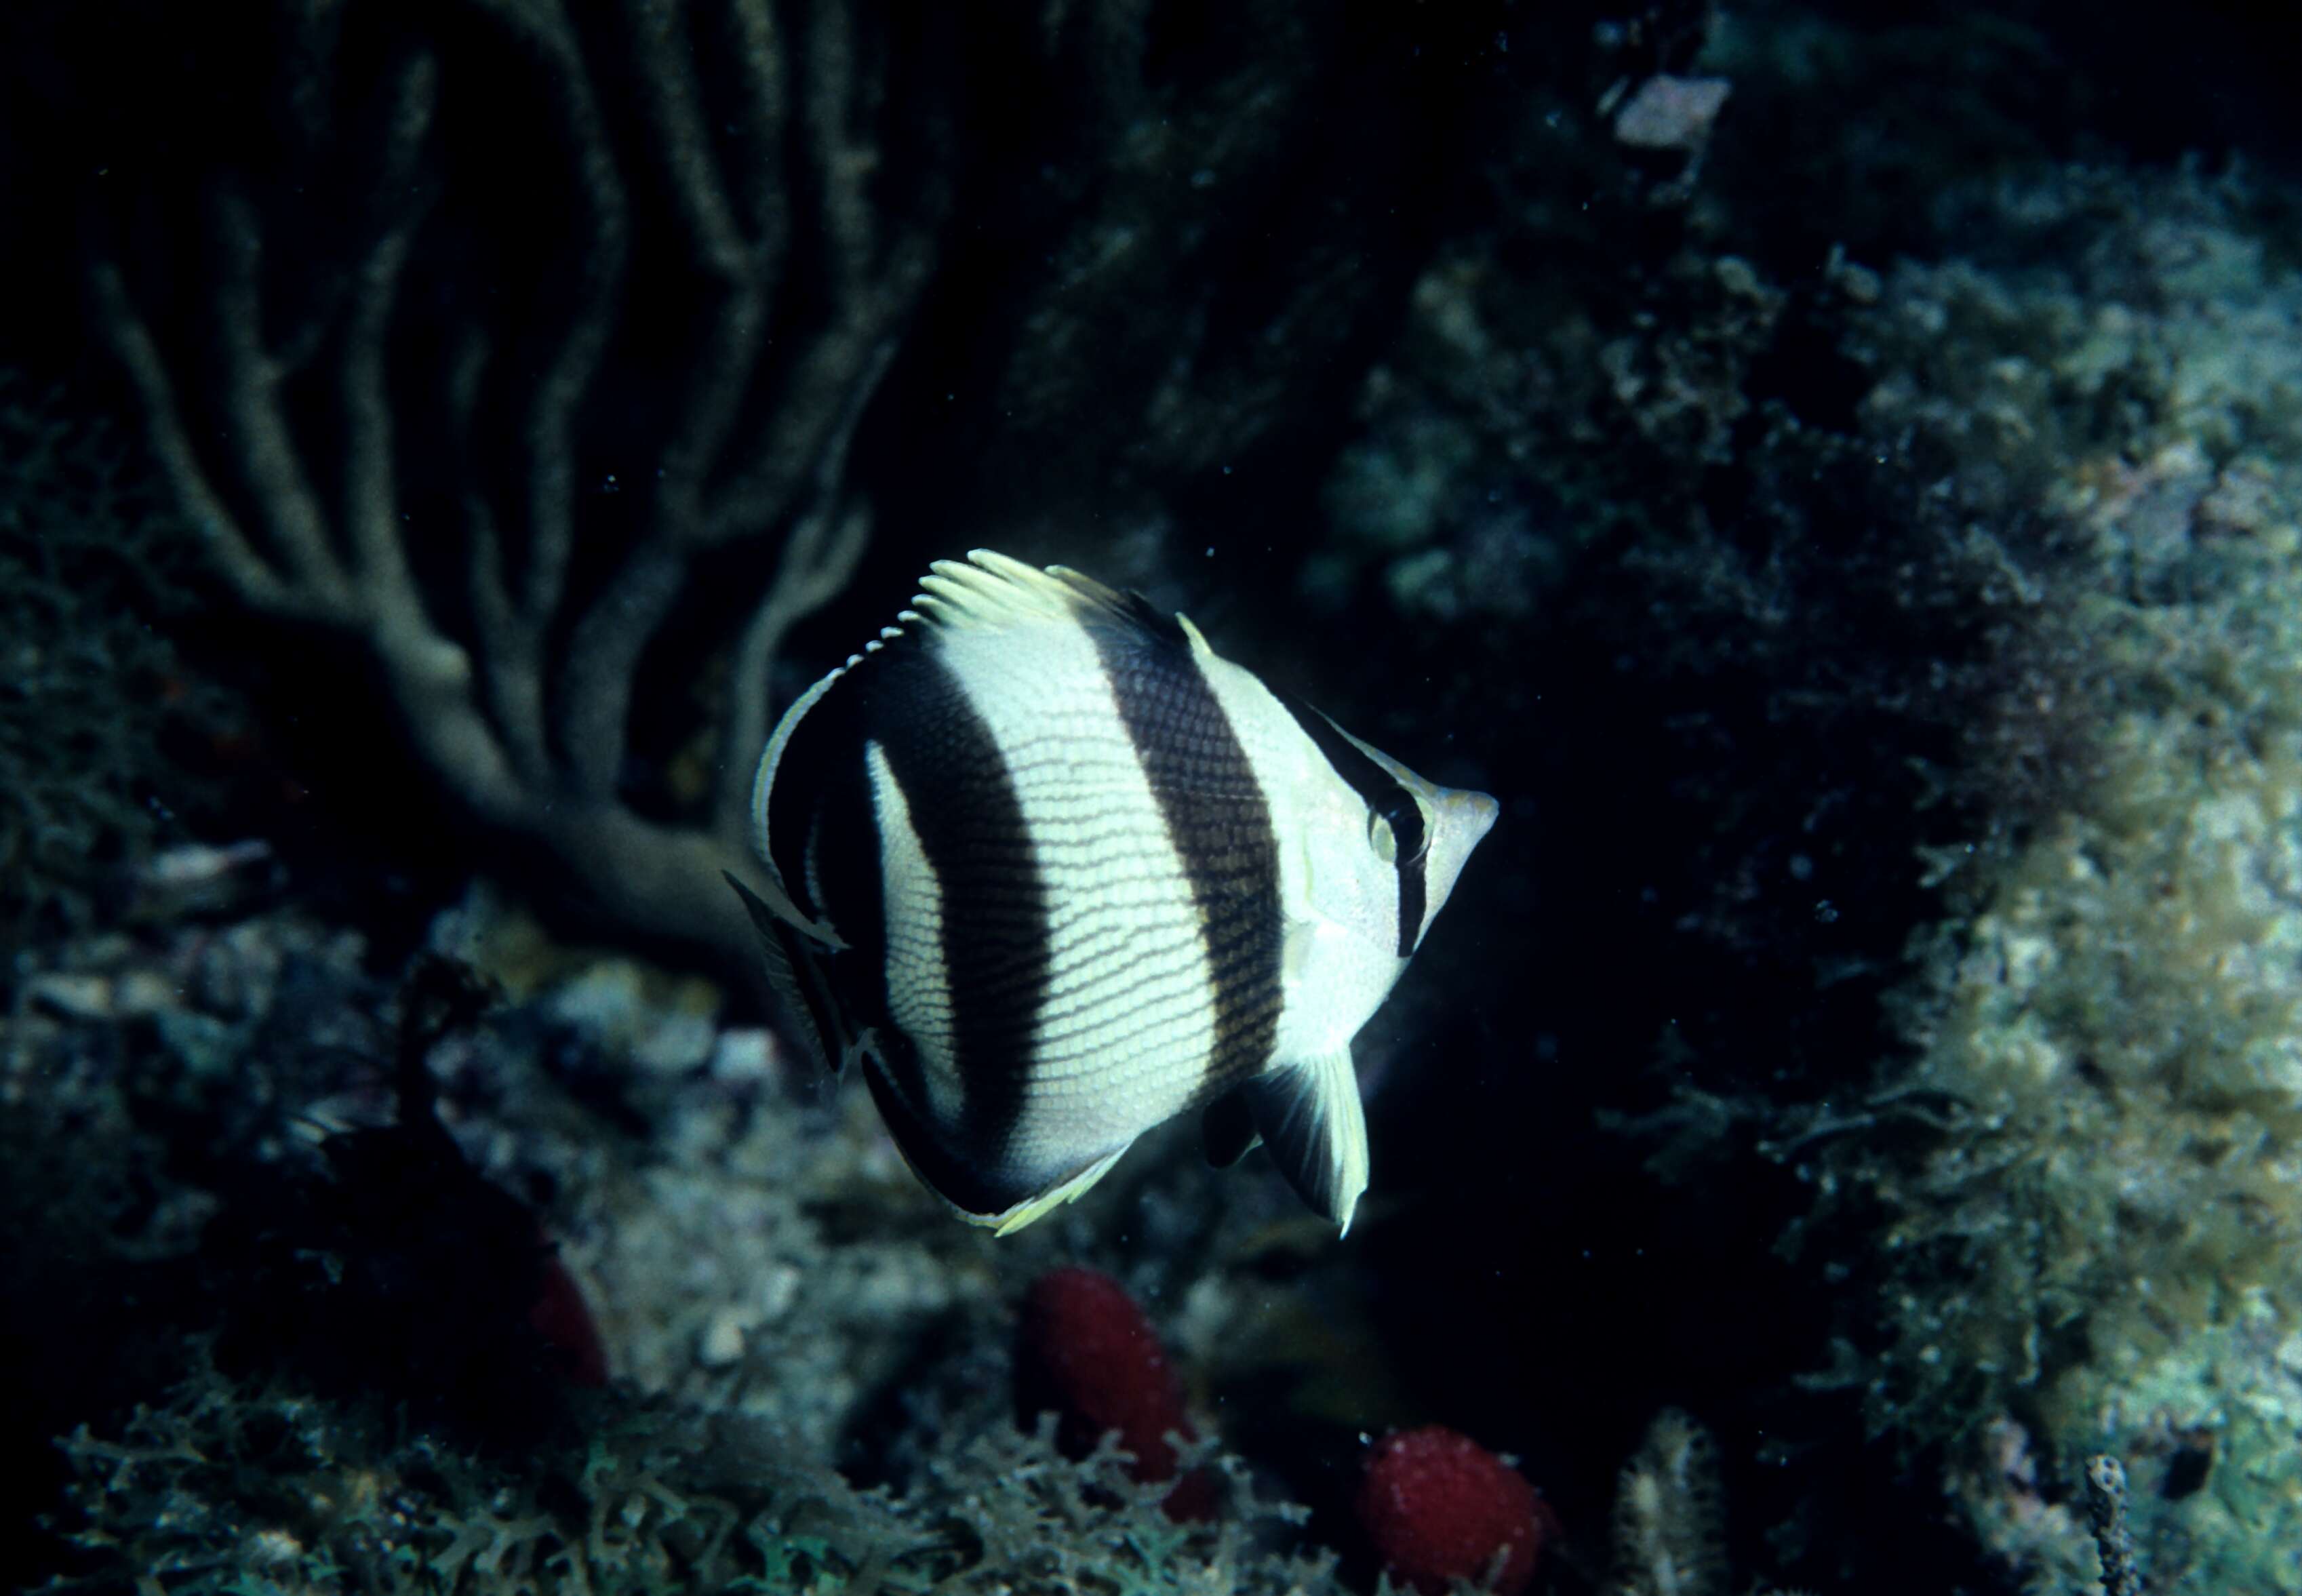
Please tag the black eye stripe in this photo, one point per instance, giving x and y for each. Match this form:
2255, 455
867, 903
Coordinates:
1407, 827
1385, 795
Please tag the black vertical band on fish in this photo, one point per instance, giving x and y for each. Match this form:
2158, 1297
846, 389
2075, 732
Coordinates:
960, 1174
1220, 822
1385, 795
995, 954
828, 853
1058, 871
970, 826
825, 848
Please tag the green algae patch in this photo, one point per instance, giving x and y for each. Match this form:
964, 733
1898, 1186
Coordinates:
2090, 1171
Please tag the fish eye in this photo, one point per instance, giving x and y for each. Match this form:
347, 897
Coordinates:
1382, 838
1402, 815
1424, 828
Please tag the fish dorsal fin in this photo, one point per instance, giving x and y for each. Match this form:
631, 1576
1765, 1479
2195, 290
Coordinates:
1227, 1129
1311, 1120
989, 591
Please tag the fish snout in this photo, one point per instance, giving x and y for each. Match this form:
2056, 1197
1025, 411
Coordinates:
1461, 818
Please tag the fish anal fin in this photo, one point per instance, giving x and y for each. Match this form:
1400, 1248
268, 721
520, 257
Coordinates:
1069, 1189
998, 1206
1309, 1113
1227, 1129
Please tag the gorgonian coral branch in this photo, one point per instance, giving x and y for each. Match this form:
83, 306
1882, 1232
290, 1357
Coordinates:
391, 425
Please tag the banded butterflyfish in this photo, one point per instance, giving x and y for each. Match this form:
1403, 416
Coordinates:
1053, 872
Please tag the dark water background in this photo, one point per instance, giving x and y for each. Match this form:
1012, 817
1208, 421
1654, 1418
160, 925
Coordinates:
1743, 509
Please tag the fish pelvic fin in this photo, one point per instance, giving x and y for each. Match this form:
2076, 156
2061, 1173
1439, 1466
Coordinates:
1227, 1129
1311, 1119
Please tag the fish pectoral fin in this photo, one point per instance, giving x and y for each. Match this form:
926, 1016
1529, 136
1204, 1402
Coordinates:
1054, 1197
800, 986
1227, 1129
1311, 1119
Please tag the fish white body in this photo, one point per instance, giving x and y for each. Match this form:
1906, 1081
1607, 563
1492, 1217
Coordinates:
1055, 872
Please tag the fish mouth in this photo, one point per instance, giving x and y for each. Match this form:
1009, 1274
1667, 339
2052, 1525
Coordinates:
1461, 821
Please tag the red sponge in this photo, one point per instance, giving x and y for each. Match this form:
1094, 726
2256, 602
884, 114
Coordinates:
1439, 1506
560, 1315
1087, 1352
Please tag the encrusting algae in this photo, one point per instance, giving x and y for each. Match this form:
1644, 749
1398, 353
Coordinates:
2090, 1172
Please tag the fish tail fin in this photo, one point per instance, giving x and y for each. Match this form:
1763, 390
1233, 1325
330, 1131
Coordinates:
796, 974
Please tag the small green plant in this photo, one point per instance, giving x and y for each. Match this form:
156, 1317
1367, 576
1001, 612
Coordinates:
237, 1487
